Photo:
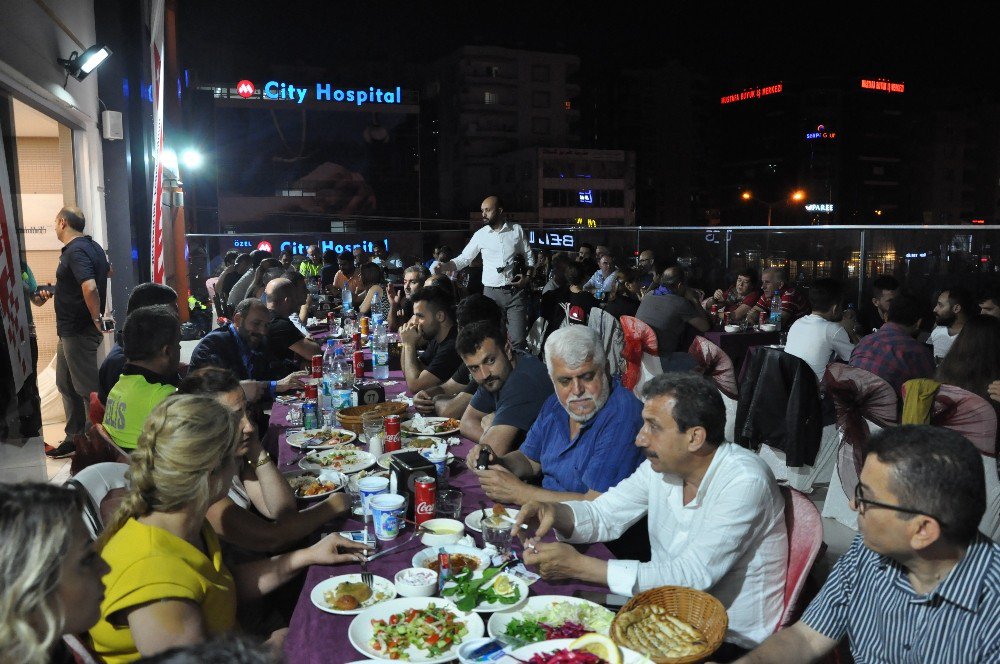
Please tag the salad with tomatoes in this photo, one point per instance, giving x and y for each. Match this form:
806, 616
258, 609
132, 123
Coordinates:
434, 629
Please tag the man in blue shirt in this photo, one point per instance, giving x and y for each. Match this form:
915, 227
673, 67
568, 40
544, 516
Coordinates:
583, 441
920, 583
513, 387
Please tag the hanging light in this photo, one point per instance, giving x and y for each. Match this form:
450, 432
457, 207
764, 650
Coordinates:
79, 66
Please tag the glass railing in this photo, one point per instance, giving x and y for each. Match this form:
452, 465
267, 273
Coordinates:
923, 258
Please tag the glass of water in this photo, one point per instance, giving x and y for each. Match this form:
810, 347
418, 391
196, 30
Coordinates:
497, 532
294, 416
373, 426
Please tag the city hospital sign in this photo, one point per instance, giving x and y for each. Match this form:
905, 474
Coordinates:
282, 91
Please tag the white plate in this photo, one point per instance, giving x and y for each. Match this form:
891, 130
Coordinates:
359, 460
384, 460
379, 585
361, 630
427, 420
430, 553
474, 521
297, 439
340, 480
525, 653
490, 607
498, 621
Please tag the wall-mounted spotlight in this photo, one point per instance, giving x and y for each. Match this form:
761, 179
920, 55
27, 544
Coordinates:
79, 66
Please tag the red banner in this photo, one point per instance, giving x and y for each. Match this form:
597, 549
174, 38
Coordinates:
157, 271
12, 303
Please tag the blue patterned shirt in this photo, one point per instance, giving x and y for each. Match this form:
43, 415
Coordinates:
869, 599
603, 452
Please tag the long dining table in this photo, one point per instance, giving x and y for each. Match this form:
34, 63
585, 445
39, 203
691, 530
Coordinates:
317, 636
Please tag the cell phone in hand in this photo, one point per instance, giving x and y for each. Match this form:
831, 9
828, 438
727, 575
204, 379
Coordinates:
610, 600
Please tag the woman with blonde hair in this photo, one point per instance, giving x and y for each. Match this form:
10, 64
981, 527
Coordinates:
50, 574
168, 585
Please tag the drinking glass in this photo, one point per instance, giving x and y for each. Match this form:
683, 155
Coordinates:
354, 491
373, 427
497, 532
294, 416
449, 504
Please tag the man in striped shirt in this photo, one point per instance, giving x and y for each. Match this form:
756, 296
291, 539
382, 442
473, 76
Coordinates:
920, 583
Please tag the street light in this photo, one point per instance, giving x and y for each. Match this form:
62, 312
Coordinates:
794, 197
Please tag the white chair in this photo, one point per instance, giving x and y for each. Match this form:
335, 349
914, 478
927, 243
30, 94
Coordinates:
97, 481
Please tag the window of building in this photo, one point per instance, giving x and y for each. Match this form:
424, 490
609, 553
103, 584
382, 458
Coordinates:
540, 99
540, 125
491, 98
540, 73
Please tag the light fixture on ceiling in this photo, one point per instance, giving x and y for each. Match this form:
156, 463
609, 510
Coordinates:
79, 66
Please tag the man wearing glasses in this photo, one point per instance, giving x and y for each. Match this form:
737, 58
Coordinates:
920, 583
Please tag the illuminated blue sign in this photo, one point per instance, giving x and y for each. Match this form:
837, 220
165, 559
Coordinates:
543, 239
587, 197
326, 92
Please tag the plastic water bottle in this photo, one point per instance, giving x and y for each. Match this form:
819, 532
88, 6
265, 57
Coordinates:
342, 370
346, 298
375, 301
776, 309
328, 413
380, 350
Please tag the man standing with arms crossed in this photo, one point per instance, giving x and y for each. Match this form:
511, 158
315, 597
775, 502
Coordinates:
81, 293
500, 241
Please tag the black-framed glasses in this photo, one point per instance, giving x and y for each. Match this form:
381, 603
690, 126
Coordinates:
862, 503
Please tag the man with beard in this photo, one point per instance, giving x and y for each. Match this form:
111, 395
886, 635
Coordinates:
287, 347
953, 308
582, 441
239, 347
512, 388
716, 514
434, 321
500, 242
402, 300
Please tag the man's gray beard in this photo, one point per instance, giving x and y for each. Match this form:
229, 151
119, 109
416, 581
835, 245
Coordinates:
601, 399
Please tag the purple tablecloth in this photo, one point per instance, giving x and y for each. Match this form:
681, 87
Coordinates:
320, 637
736, 344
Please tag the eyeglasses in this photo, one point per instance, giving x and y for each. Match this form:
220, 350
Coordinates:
862, 503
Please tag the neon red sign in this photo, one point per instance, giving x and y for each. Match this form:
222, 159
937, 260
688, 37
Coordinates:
882, 85
245, 88
755, 93
264, 245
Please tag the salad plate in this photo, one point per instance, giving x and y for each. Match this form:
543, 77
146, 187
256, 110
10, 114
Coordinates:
320, 439
346, 460
430, 426
424, 630
547, 617
525, 653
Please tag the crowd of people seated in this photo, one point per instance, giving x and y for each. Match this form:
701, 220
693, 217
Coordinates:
208, 527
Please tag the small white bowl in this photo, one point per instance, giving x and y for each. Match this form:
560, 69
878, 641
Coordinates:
732, 328
446, 531
409, 586
768, 327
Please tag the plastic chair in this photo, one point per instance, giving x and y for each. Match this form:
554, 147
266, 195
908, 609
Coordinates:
96, 447
805, 543
640, 342
974, 417
104, 485
864, 403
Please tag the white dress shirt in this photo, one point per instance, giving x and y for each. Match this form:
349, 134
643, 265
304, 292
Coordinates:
818, 341
941, 340
729, 541
497, 247
600, 282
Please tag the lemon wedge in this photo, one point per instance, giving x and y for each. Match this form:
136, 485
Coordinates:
600, 645
502, 586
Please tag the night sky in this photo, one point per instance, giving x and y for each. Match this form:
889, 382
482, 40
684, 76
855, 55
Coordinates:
734, 42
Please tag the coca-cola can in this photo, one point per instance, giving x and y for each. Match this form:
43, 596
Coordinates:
425, 497
311, 392
393, 439
317, 366
359, 365
357, 341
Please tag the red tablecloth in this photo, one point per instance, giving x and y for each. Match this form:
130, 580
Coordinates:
320, 637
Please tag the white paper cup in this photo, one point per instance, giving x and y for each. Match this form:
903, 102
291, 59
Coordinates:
387, 515
370, 487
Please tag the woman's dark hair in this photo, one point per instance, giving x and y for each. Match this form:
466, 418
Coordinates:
371, 274
974, 359
209, 381
750, 274
937, 471
578, 273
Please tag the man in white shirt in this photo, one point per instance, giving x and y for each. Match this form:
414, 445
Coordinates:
825, 334
602, 280
716, 515
953, 308
500, 241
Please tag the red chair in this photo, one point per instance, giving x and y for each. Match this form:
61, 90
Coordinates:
713, 363
96, 446
640, 339
96, 411
805, 544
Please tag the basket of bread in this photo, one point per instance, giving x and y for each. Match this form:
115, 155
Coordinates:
350, 418
671, 625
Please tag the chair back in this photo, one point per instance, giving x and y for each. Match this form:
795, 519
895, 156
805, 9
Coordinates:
859, 397
640, 339
969, 414
609, 330
104, 486
713, 363
536, 336
96, 446
95, 413
805, 542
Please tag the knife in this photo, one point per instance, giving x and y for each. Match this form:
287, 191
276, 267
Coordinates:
391, 549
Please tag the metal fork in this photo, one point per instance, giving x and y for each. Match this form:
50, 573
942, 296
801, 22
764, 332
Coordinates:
367, 577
